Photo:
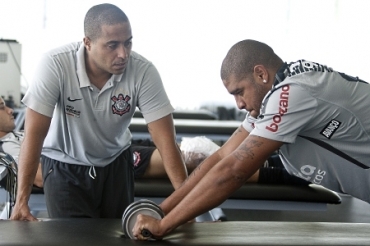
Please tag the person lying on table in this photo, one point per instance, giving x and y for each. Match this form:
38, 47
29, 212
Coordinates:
148, 162
315, 117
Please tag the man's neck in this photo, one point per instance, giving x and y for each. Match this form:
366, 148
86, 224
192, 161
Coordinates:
2, 134
96, 76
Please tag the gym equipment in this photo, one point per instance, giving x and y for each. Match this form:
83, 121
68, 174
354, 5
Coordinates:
11, 167
162, 188
142, 206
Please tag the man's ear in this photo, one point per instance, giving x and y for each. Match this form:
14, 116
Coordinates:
87, 43
261, 74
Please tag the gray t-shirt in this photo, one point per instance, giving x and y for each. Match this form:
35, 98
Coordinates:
90, 126
323, 117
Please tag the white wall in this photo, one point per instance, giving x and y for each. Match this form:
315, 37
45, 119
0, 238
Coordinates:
10, 58
187, 39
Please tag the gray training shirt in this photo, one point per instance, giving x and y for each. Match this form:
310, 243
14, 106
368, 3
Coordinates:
322, 116
90, 126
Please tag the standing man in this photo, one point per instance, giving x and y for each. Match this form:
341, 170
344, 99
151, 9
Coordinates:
78, 111
316, 117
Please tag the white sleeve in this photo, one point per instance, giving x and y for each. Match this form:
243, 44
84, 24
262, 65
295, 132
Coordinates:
248, 122
44, 91
153, 100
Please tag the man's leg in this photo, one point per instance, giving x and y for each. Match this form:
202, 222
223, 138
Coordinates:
275, 173
155, 168
147, 162
71, 192
118, 190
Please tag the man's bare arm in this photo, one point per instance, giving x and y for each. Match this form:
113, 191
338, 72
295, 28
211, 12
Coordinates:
213, 188
36, 128
163, 133
238, 136
220, 181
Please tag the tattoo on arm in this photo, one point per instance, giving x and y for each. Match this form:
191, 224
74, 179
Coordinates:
245, 150
237, 131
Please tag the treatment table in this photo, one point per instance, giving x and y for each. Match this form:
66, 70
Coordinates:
251, 196
103, 232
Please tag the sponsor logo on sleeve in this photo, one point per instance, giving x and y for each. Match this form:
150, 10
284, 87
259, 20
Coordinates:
330, 128
283, 109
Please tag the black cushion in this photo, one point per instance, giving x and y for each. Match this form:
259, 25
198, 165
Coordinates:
250, 191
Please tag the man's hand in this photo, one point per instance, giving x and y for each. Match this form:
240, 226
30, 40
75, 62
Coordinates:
149, 223
22, 213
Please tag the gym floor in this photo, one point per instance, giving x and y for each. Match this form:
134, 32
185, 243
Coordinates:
351, 210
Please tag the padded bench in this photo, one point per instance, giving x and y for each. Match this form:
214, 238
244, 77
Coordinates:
250, 196
250, 191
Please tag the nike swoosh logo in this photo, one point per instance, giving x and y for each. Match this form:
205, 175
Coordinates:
73, 100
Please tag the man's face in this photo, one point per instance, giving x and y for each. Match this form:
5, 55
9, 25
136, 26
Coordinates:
6, 119
111, 51
248, 94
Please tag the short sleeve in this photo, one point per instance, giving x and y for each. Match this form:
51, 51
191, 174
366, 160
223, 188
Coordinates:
248, 122
153, 100
44, 91
284, 113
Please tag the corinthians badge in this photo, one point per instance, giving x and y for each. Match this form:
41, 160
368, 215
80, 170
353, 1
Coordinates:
121, 105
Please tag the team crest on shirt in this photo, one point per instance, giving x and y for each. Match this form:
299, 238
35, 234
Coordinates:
121, 104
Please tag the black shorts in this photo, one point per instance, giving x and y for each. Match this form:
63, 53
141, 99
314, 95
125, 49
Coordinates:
275, 173
142, 151
70, 191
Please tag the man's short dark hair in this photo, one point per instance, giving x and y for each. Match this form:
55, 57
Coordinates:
244, 55
102, 14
